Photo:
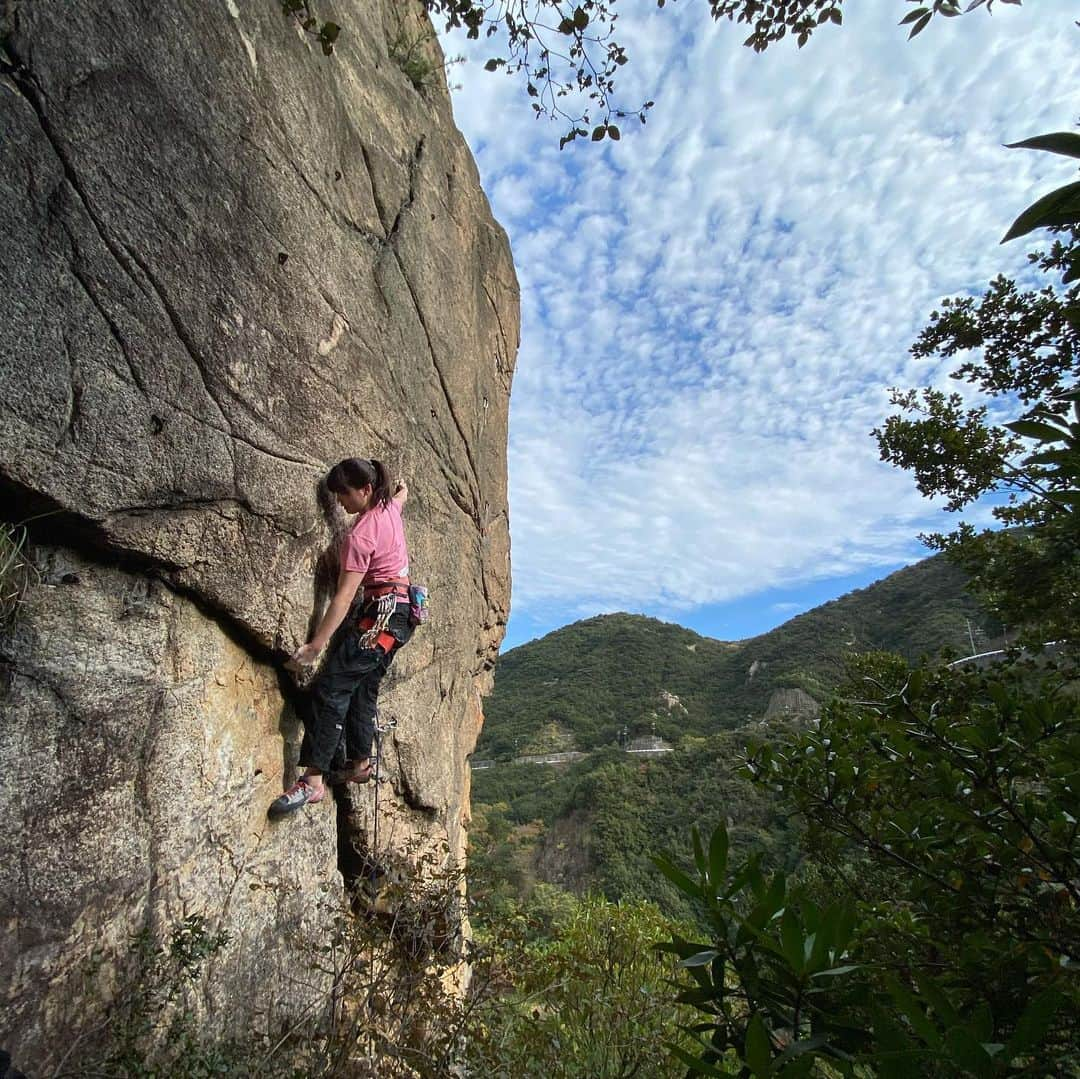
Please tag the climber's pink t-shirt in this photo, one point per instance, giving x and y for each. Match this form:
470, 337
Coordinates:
375, 545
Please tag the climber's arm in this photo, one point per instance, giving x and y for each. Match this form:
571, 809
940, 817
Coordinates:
401, 492
348, 583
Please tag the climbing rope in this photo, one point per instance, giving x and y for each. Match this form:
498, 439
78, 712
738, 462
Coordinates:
377, 779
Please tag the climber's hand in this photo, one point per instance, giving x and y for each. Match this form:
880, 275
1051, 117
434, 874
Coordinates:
306, 654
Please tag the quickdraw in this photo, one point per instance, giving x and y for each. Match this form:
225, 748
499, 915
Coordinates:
373, 627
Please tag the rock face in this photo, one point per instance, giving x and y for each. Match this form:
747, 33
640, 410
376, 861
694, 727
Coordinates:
792, 704
228, 262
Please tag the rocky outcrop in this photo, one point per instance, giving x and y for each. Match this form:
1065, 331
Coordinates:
228, 262
792, 704
672, 703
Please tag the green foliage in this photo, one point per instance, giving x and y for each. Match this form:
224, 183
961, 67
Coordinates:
1059, 208
501, 862
569, 59
1019, 346
192, 943
412, 52
774, 981
550, 738
145, 1028
594, 825
941, 802
588, 1001
325, 32
961, 786
788, 986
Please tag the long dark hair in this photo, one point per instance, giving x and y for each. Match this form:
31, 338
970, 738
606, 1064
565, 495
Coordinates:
357, 472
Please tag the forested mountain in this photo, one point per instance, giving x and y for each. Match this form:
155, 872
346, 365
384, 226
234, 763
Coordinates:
579, 686
595, 822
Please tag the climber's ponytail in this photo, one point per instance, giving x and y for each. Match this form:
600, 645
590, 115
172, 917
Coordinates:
356, 472
380, 488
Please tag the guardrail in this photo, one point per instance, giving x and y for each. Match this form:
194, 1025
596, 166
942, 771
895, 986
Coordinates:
984, 659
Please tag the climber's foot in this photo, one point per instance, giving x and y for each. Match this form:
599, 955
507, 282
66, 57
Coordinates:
355, 773
303, 792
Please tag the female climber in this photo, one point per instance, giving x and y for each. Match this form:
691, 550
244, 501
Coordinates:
374, 559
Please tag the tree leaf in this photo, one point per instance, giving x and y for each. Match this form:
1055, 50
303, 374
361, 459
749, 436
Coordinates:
911, 16
700, 959
908, 1006
835, 972
695, 840
798, 1049
1060, 207
982, 1022
1057, 142
966, 1052
671, 871
1043, 432
791, 937
920, 26
1034, 1023
696, 1065
758, 1054
718, 855
932, 991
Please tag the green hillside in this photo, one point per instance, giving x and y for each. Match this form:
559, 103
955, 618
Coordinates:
578, 687
593, 824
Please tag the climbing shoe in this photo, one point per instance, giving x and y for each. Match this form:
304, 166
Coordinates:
301, 793
355, 774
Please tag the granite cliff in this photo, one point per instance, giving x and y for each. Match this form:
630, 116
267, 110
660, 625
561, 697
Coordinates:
228, 262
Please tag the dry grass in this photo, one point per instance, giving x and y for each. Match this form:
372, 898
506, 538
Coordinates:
16, 570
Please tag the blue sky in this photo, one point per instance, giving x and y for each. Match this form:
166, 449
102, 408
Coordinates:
714, 308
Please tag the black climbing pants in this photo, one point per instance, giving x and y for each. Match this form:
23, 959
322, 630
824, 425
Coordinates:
345, 695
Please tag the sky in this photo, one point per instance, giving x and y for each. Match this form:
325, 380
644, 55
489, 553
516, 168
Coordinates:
715, 307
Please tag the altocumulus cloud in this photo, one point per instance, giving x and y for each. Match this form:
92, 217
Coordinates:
714, 308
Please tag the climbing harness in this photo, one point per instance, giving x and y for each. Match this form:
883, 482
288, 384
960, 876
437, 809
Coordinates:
380, 602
